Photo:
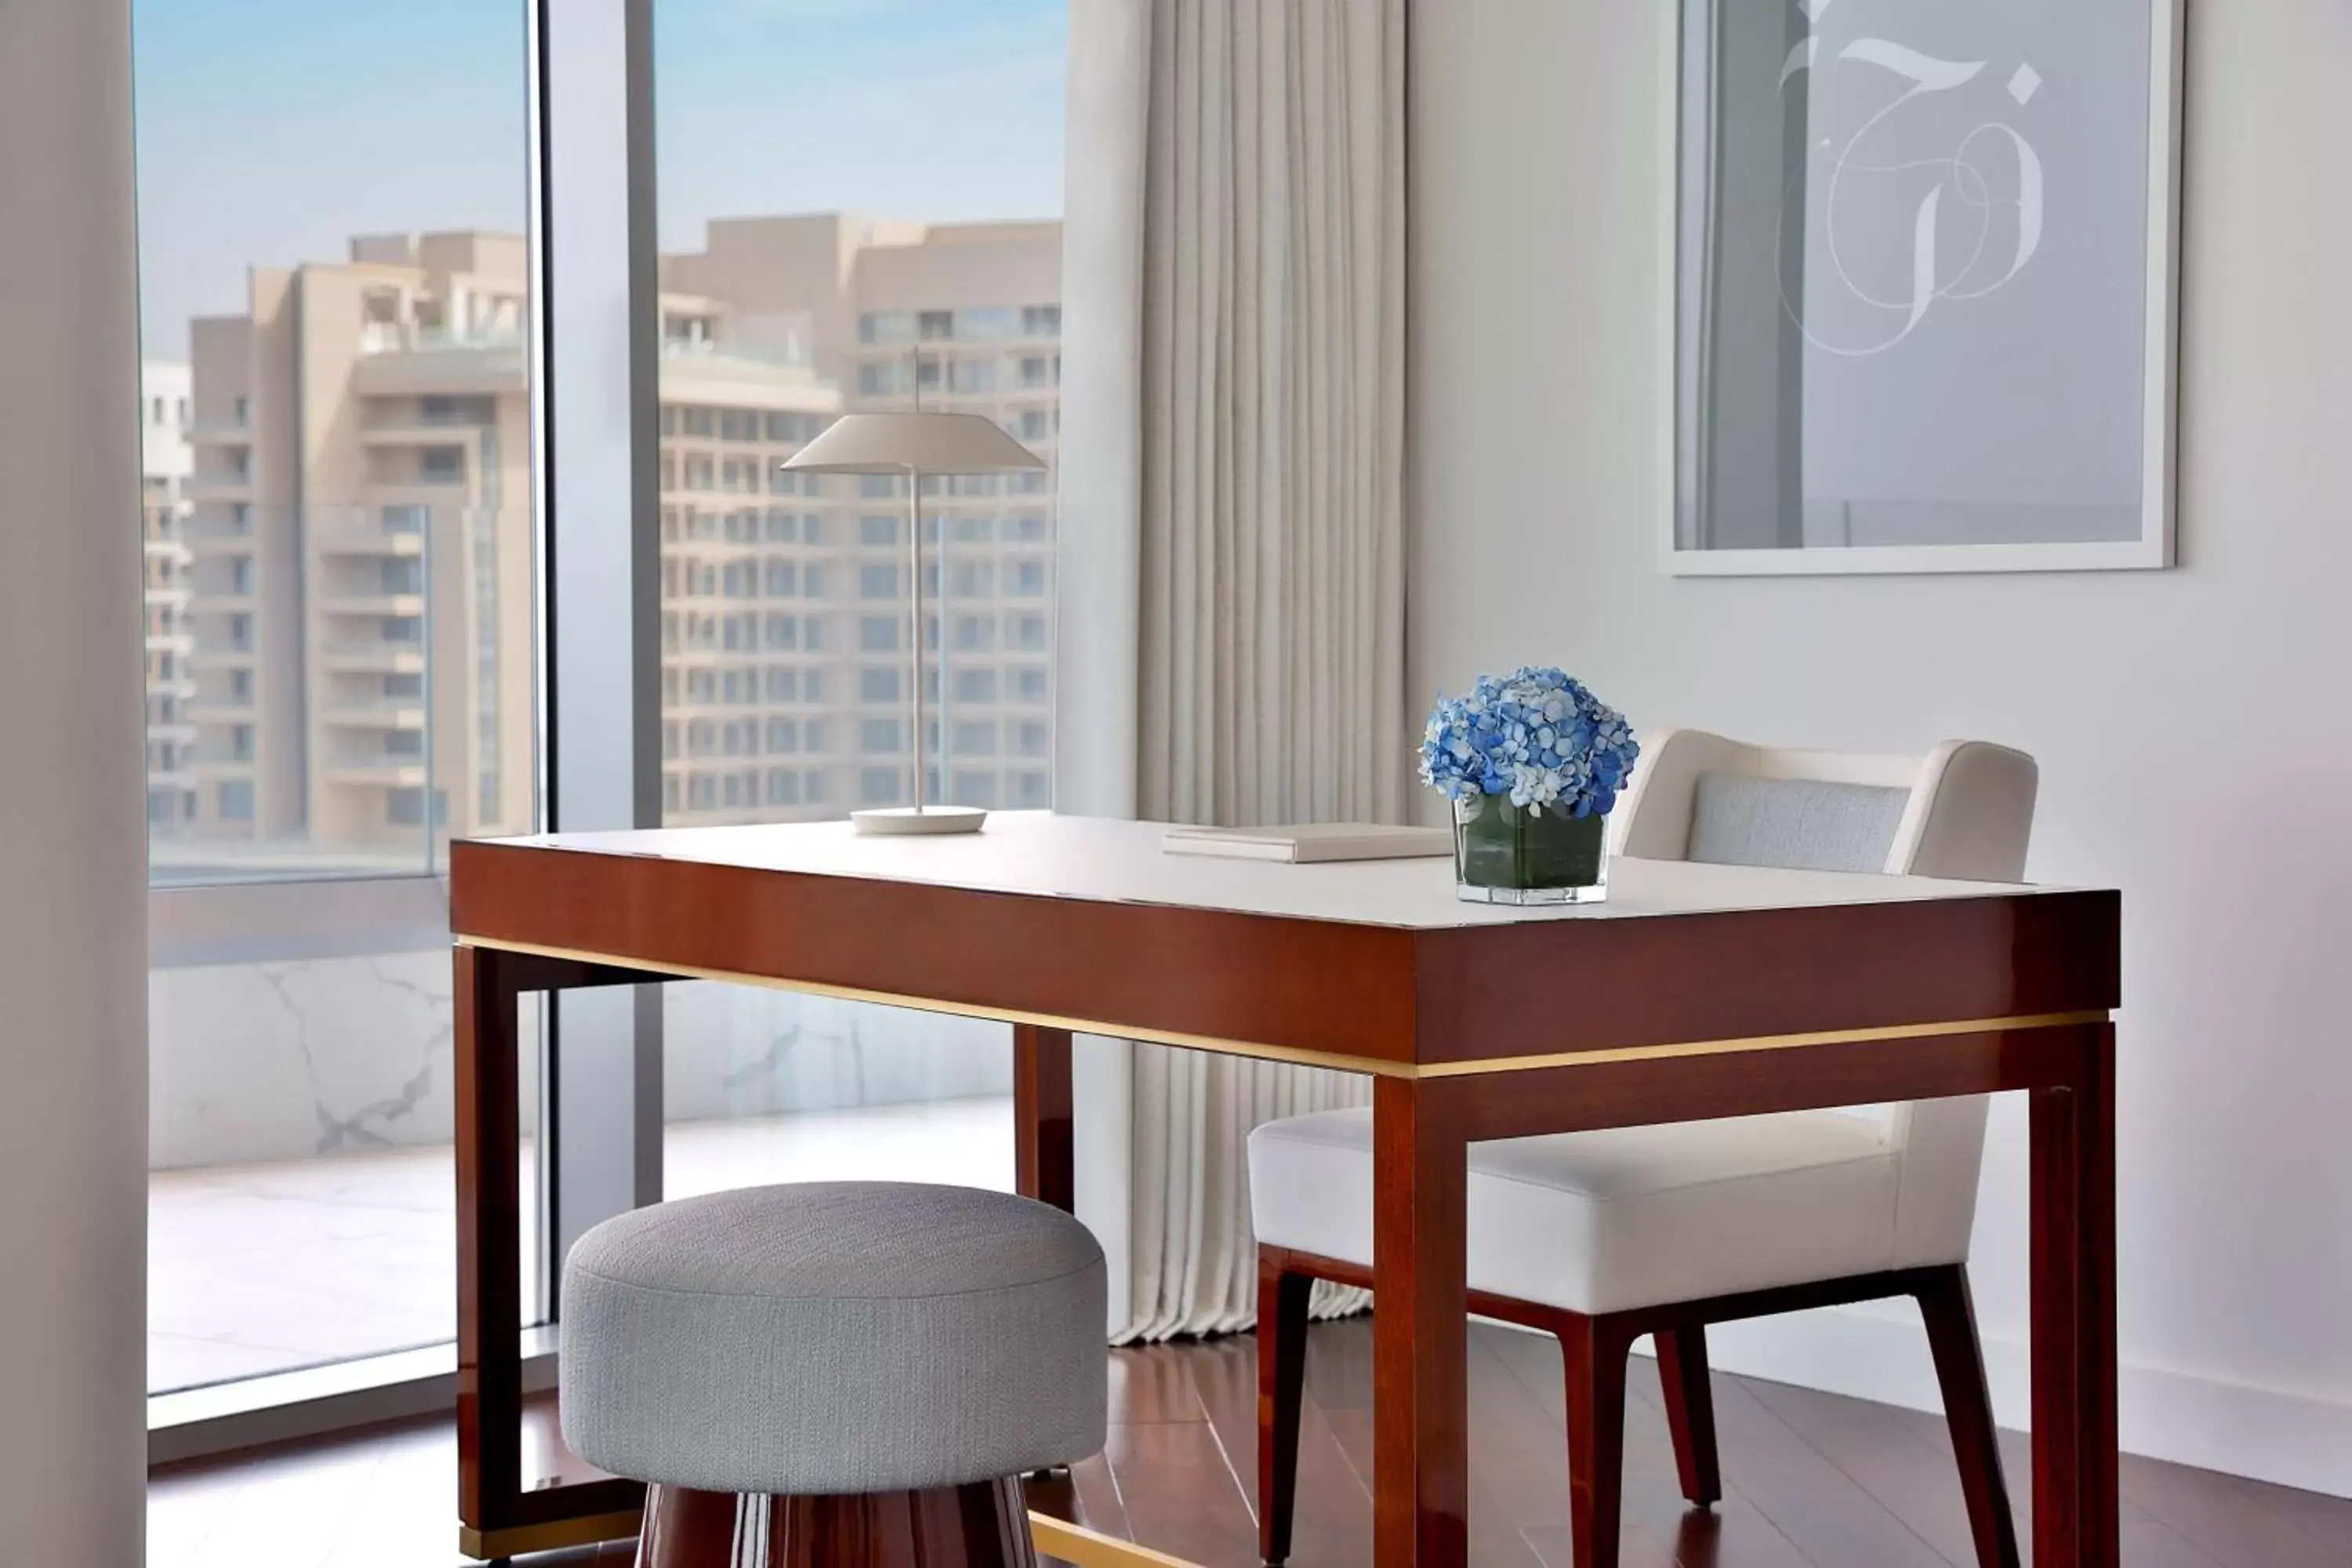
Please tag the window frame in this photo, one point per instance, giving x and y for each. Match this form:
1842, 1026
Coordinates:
598, 762
588, 90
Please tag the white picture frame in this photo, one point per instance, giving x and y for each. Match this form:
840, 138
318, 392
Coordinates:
2156, 544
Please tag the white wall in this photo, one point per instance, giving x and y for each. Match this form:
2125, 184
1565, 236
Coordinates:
2195, 738
73, 943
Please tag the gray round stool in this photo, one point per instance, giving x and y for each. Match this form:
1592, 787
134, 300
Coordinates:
841, 1372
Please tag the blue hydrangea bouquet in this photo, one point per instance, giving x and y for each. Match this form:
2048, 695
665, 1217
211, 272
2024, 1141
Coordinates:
1533, 762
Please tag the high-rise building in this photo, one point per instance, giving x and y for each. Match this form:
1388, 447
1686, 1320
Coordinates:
860, 302
361, 543
358, 524
164, 464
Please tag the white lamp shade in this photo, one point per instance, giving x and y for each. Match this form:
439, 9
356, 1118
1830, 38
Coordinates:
913, 443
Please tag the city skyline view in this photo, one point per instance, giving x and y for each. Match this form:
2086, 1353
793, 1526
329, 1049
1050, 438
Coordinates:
339, 548
338, 542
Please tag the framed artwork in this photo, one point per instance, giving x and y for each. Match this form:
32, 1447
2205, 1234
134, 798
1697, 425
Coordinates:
1925, 292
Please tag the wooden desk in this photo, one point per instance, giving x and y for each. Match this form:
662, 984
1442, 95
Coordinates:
1695, 992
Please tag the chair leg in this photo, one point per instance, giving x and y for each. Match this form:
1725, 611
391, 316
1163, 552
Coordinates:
1690, 1410
1945, 1303
1592, 1353
1282, 1301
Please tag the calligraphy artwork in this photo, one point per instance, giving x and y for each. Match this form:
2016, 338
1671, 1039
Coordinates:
1924, 285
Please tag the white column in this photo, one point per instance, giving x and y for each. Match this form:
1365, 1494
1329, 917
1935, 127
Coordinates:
73, 981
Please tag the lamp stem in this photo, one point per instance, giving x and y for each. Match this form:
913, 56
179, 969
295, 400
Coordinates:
915, 561
915, 564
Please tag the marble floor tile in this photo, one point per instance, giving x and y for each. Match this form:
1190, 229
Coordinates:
261, 1268
962, 1140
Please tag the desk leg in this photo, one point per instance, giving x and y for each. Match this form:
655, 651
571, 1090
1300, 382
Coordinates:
498, 1516
2075, 1495
489, 1245
1421, 1451
1041, 1115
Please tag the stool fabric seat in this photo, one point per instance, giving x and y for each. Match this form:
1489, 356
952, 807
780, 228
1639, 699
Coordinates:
839, 1337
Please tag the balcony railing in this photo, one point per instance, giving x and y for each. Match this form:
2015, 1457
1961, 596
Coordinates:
424, 483
372, 602
399, 361
793, 355
218, 533
374, 768
220, 487
376, 657
362, 537
407, 337
377, 713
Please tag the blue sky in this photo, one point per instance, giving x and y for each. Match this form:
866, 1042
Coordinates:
271, 130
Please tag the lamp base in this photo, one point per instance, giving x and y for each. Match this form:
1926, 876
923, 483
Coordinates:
900, 819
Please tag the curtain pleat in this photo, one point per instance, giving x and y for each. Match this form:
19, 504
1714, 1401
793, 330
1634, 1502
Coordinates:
1271, 663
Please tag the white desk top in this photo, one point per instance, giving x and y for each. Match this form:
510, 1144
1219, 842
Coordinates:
1098, 860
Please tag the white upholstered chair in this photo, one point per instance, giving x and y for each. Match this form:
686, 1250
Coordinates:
1601, 1238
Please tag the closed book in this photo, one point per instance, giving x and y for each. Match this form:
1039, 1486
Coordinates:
1310, 844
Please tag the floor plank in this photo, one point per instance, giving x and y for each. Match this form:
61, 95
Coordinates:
1333, 1498
2324, 1518
2147, 1541
1100, 1506
1824, 1513
2225, 1518
1180, 1495
2016, 1463
1811, 1480
1658, 1523
1916, 1481
1176, 1483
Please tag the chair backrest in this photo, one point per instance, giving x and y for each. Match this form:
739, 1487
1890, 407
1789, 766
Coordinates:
1964, 811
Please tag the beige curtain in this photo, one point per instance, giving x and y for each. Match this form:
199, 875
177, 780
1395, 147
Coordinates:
1269, 622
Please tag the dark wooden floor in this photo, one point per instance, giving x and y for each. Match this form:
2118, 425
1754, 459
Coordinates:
1811, 1480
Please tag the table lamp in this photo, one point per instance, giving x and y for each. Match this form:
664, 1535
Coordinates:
915, 444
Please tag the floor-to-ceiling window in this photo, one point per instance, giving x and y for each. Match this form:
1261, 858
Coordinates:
338, 550
857, 206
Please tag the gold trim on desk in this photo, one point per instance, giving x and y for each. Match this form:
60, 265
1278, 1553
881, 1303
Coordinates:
1092, 1549
1760, 1043
1376, 1066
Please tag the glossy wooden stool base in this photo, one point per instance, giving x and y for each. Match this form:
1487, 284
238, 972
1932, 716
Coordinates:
982, 1525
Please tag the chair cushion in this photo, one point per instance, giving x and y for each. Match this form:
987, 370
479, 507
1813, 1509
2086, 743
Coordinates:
1601, 1222
1740, 819
835, 1337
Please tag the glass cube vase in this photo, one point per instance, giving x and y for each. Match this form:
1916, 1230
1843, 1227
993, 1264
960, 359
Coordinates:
1506, 853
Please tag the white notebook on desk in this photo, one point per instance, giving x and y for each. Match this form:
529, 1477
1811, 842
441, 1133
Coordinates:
1310, 844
